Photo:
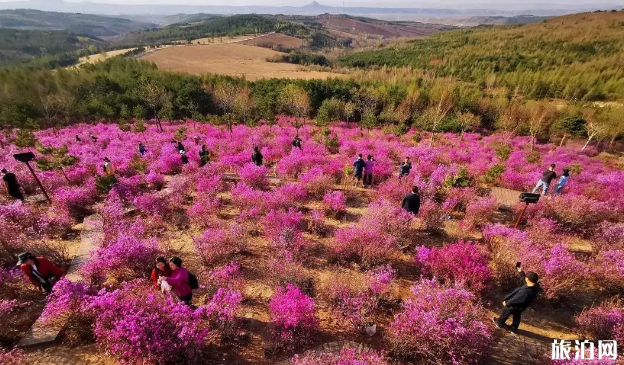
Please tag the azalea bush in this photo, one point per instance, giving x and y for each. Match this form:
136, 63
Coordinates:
346, 356
254, 176
604, 322
335, 203
137, 326
440, 324
218, 245
294, 318
460, 262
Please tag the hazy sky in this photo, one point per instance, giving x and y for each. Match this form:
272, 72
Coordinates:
562, 4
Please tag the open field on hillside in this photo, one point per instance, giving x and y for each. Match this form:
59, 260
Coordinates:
275, 39
228, 59
103, 56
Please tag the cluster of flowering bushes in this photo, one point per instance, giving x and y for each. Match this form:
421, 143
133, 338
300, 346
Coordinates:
293, 314
217, 245
440, 324
460, 263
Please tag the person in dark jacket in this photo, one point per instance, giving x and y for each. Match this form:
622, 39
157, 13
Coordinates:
544, 183
41, 272
406, 167
359, 166
204, 156
297, 142
411, 202
161, 270
257, 157
142, 149
518, 300
78, 138
11, 184
180, 147
93, 138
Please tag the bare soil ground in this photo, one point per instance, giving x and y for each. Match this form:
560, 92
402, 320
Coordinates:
274, 40
229, 59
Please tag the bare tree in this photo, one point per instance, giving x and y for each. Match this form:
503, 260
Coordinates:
614, 123
294, 101
225, 94
539, 116
438, 111
595, 125
243, 105
158, 99
468, 121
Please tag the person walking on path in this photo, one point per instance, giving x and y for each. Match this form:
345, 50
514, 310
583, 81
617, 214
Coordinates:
406, 167
518, 300
544, 183
358, 166
257, 157
204, 156
411, 202
161, 269
41, 272
179, 281
563, 181
369, 165
11, 184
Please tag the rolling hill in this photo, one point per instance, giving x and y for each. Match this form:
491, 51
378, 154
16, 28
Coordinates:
83, 24
573, 57
21, 45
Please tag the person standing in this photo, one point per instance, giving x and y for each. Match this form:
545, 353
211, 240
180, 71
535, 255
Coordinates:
160, 270
11, 184
180, 147
204, 156
93, 138
184, 157
41, 272
108, 166
142, 149
78, 138
369, 165
359, 165
563, 181
297, 142
411, 202
544, 183
257, 157
406, 167
518, 301
179, 280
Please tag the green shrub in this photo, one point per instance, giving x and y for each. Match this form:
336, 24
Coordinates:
503, 151
493, 173
104, 183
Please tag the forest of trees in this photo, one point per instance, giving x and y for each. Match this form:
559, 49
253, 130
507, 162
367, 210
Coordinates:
120, 90
575, 57
22, 45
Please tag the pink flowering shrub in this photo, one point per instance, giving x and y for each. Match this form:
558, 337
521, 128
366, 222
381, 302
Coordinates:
222, 310
293, 315
335, 203
218, 245
316, 224
577, 213
12, 357
121, 260
608, 269
203, 211
431, 217
276, 221
354, 298
459, 262
609, 236
316, 182
64, 301
479, 212
76, 200
344, 357
254, 176
440, 324
366, 246
155, 180
137, 326
605, 322
226, 276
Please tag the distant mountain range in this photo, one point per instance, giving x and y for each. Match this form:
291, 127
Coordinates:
313, 8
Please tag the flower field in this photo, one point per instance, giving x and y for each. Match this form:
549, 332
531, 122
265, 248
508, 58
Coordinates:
294, 254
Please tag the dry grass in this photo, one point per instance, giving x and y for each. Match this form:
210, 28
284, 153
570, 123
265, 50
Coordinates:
102, 56
229, 59
273, 40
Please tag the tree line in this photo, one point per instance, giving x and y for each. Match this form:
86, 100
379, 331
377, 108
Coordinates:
121, 90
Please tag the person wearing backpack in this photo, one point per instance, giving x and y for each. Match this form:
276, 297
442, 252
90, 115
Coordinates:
181, 281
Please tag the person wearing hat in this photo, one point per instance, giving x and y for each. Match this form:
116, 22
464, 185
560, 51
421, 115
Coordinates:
41, 272
518, 301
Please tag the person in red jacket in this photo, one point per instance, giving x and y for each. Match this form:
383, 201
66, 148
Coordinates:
40, 271
160, 270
